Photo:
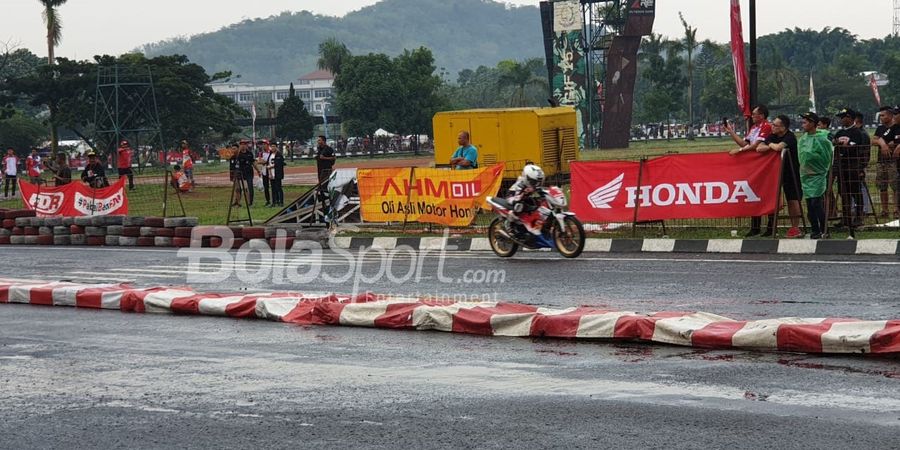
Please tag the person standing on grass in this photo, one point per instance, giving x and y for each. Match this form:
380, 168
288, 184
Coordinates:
277, 175
815, 154
62, 174
33, 167
265, 155
123, 163
187, 162
325, 159
10, 171
246, 166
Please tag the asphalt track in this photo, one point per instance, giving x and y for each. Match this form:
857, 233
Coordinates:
78, 378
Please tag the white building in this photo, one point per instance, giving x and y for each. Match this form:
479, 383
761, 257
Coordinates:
315, 89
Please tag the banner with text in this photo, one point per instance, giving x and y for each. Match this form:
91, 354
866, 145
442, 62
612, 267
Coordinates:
692, 186
447, 197
75, 199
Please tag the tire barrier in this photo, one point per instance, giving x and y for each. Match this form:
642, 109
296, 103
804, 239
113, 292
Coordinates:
688, 329
21, 227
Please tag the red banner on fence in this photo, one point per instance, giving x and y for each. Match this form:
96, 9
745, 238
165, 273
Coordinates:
693, 186
75, 199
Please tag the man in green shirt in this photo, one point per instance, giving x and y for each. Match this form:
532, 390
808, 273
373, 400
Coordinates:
815, 153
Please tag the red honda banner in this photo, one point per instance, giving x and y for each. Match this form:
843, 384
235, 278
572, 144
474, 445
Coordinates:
75, 199
692, 186
874, 85
737, 57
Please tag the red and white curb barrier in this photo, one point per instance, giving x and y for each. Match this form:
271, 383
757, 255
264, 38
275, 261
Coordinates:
690, 329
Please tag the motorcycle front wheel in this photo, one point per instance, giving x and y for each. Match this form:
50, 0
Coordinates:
570, 238
500, 244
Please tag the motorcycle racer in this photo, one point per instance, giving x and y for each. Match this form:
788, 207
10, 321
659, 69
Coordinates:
521, 200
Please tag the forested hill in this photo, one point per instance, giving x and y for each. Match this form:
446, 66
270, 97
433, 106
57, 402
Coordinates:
461, 33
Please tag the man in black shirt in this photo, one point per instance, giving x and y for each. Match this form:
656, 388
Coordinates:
62, 174
325, 159
782, 138
850, 166
94, 174
886, 174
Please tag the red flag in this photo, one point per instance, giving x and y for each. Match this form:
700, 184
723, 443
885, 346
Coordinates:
737, 56
874, 87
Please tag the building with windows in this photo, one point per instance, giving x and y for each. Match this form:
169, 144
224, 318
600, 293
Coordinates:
315, 89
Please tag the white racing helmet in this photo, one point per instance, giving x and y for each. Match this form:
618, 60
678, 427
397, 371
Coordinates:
533, 176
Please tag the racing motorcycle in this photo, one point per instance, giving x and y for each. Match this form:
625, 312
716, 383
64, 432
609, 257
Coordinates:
560, 229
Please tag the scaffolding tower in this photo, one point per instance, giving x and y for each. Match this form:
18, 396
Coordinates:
125, 108
603, 20
896, 31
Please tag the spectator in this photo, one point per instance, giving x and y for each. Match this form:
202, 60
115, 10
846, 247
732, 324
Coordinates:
824, 123
187, 161
815, 154
62, 174
783, 138
277, 175
759, 132
180, 180
886, 174
33, 167
123, 163
325, 159
94, 174
264, 160
850, 163
246, 166
10, 172
466, 155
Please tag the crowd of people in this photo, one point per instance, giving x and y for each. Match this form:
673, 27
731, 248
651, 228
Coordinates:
819, 159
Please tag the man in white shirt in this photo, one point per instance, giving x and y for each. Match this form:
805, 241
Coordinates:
10, 171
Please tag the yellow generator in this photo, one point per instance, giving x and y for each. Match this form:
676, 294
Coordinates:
546, 136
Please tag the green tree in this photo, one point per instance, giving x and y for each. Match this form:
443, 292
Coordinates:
518, 76
367, 89
421, 93
293, 121
21, 132
332, 55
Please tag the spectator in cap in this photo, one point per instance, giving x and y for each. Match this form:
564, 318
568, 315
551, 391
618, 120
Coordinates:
815, 154
886, 138
850, 164
759, 132
783, 139
94, 174
123, 163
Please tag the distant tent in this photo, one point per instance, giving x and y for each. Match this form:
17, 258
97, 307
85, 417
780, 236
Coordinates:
382, 132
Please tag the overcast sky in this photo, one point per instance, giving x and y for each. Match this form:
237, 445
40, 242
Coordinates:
115, 26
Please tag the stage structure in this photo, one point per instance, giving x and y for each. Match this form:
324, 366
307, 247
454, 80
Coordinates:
591, 51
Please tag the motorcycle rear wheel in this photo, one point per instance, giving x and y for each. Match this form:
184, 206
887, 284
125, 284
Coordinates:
569, 240
501, 245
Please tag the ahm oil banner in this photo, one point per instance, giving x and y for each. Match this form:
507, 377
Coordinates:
75, 199
446, 197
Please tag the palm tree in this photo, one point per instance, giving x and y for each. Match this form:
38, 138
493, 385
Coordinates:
54, 36
520, 75
690, 44
332, 55
54, 26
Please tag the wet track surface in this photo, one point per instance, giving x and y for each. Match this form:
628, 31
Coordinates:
79, 378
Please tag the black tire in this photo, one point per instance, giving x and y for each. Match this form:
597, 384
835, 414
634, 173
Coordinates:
569, 241
502, 246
